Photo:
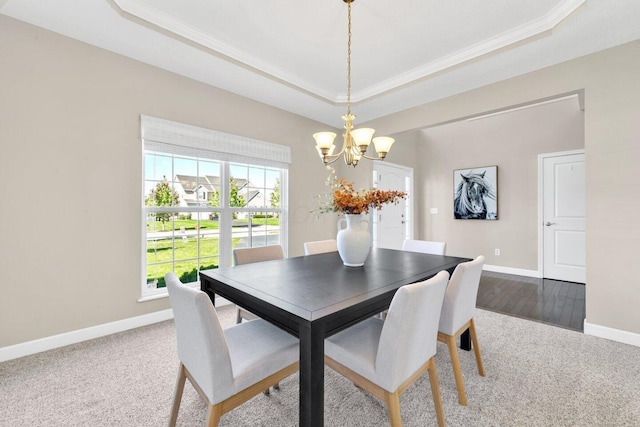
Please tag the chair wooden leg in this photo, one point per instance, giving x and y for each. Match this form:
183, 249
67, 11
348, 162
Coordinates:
457, 371
213, 415
393, 406
476, 347
392, 400
435, 391
177, 396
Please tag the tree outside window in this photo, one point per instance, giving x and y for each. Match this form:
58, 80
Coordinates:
275, 195
236, 200
163, 195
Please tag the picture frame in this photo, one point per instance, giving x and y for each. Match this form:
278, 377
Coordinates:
475, 193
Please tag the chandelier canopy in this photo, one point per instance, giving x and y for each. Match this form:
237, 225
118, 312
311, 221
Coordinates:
356, 141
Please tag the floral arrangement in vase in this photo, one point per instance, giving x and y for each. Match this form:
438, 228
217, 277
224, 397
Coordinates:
354, 240
344, 199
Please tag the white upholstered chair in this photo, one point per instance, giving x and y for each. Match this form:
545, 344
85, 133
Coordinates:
251, 255
424, 246
458, 310
386, 357
320, 247
217, 362
257, 254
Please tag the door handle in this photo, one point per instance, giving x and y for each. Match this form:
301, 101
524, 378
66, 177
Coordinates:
550, 223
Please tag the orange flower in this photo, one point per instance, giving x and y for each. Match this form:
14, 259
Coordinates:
344, 199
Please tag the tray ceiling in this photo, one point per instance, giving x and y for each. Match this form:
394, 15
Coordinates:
292, 55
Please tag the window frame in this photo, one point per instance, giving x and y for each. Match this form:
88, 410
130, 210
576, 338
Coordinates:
182, 141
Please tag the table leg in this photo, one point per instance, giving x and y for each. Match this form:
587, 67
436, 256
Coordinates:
465, 340
312, 375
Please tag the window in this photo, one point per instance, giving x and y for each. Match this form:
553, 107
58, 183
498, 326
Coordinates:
204, 197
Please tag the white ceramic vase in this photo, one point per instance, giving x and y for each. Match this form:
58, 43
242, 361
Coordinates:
354, 240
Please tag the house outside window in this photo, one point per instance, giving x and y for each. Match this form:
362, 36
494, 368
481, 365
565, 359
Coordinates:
200, 203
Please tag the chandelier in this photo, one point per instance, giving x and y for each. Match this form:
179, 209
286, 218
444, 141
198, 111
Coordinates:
356, 141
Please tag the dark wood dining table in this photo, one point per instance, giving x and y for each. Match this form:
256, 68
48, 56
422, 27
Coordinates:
316, 296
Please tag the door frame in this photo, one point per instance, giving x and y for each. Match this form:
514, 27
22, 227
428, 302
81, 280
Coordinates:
541, 158
410, 200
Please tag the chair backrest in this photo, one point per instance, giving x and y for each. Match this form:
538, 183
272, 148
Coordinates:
460, 300
257, 254
409, 335
202, 347
424, 246
320, 247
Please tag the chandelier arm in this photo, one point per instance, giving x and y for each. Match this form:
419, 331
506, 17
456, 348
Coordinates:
371, 158
335, 157
330, 156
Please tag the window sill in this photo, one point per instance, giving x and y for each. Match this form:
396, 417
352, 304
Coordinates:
219, 300
153, 297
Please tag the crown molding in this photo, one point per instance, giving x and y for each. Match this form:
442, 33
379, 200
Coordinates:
173, 25
180, 28
530, 30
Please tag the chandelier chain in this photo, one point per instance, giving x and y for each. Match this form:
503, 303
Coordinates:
356, 141
349, 59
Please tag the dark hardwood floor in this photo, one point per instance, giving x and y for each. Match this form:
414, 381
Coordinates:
544, 300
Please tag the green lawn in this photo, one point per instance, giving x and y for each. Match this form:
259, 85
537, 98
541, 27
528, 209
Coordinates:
261, 221
160, 252
160, 258
188, 224
192, 224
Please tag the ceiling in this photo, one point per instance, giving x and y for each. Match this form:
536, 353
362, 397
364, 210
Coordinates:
292, 55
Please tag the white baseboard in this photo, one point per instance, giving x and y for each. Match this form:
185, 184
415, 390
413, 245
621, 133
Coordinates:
73, 337
625, 337
509, 270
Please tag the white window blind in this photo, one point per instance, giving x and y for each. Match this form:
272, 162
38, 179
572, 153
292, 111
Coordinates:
179, 138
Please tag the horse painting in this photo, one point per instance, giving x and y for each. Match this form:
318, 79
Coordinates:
471, 196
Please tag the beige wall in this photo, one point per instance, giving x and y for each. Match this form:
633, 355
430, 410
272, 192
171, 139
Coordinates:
70, 172
511, 141
70, 176
612, 143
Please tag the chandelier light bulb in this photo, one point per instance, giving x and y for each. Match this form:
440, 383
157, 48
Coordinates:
324, 139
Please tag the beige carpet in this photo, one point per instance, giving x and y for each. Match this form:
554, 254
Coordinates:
537, 375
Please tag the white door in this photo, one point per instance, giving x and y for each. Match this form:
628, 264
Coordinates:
393, 223
564, 242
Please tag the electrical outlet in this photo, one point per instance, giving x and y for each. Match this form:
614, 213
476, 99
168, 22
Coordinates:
497, 252
433, 210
